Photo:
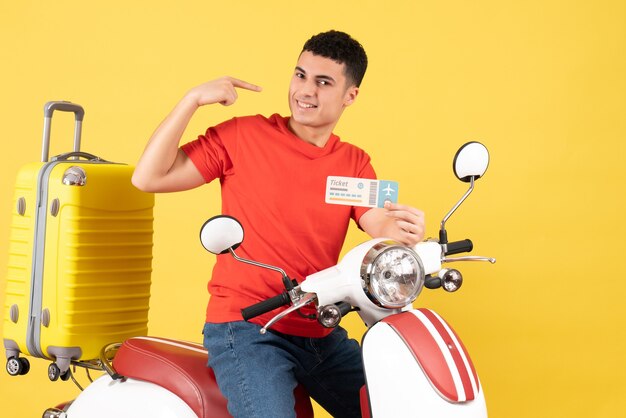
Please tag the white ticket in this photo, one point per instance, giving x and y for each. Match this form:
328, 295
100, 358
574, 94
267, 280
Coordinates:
360, 192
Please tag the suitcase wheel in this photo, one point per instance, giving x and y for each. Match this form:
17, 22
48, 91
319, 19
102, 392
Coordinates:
54, 373
66, 376
18, 366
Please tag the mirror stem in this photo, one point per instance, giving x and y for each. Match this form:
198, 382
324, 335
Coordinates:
267, 266
443, 235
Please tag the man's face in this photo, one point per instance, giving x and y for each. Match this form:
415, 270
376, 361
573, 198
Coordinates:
319, 91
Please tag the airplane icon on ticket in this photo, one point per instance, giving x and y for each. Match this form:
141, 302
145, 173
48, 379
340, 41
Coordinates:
389, 190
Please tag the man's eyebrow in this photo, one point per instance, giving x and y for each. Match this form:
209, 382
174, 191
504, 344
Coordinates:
324, 77
319, 77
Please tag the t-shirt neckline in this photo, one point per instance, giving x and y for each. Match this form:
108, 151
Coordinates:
308, 149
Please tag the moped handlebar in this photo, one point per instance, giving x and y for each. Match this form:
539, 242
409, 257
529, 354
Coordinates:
457, 247
265, 306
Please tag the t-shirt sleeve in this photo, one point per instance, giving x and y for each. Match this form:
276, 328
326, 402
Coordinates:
213, 152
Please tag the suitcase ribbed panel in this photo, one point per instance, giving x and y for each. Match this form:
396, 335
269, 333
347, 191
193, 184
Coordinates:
103, 239
97, 261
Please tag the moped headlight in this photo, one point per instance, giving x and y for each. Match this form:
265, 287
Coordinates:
392, 275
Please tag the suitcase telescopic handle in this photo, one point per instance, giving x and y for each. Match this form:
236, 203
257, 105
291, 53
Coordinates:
63, 106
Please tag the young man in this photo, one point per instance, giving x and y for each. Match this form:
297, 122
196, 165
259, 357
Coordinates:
273, 174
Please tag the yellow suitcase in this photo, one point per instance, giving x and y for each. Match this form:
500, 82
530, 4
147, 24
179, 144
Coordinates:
80, 257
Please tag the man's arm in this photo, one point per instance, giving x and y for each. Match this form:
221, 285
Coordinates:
163, 167
402, 223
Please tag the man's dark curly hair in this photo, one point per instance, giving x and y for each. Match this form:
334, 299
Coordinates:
343, 49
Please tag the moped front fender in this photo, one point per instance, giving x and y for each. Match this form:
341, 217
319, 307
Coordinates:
415, 365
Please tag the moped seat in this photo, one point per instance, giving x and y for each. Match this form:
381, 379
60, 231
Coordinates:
178, 366
181, 368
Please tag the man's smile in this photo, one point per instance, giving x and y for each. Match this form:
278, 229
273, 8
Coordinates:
304, 105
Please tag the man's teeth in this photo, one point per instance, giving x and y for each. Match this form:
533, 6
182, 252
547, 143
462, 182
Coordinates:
306, 105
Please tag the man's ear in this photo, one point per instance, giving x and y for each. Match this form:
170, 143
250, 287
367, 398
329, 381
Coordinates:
351, 93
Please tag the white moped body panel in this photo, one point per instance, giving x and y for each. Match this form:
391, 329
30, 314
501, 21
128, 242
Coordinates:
106, 398
430, 254
398, 386
338, 283
341, 282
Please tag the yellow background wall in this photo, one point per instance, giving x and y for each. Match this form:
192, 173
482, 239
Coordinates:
541, 82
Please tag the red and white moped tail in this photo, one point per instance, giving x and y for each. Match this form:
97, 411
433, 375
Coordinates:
416, 366
158, 377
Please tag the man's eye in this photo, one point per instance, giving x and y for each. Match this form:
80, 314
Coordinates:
299, 75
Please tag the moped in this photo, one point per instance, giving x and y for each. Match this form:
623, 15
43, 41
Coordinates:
415, 364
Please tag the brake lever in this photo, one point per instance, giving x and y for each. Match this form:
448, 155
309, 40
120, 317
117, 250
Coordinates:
305, 300
468, 258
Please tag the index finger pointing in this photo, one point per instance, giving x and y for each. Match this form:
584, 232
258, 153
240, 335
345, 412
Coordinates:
244, 84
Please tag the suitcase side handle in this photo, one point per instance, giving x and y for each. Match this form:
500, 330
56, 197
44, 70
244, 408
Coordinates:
63, 106
78, 154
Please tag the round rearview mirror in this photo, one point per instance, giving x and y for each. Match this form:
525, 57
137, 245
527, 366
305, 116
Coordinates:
471, 160
220, 233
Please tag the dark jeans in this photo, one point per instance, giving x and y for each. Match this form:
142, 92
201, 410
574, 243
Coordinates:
258, 373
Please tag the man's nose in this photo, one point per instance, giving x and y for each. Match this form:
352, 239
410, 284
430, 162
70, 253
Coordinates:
309, 88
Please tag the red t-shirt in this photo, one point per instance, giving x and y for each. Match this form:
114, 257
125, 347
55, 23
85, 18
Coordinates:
274, 183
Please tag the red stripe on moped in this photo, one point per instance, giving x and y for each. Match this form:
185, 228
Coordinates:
426, 351
454, 349
425, 334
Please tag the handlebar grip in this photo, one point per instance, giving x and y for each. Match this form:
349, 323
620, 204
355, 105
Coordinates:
265, 306
456, 247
